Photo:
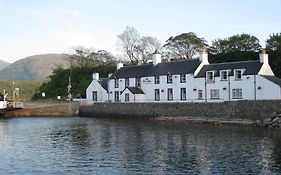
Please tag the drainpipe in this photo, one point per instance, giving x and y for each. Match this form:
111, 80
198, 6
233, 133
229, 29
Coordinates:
205, 89
228, 87
255, 88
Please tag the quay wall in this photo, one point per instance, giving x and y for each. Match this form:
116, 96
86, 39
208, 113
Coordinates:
65, 109
252, 110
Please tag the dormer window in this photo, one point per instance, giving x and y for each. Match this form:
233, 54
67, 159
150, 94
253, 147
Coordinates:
156, 79
238, 74
224, 75
116, 83
138, 82
127, 82
182, 78
210, 75
169, 78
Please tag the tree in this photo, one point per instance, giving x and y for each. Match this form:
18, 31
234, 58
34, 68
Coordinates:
184, 46
129, 41
273, 46
235, 48
138, 47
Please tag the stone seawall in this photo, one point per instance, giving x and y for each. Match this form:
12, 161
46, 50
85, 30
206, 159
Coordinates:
65, 109
248, 110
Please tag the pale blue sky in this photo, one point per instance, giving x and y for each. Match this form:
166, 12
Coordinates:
31, 27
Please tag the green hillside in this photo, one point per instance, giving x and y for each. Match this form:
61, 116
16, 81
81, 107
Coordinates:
27, 88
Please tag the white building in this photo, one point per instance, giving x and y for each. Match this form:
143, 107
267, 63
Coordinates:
193, 80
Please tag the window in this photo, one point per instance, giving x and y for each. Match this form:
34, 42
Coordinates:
169, 78
210, 77
200, 94
214, 94
170, 94
157, 94
236, 93
116, 97
183, 93
127, 97
95, 96
156, 80
238, 74
182, 78
138, 82
127, 82
116, 83
224, 75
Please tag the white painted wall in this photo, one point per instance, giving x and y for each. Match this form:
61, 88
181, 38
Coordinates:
267, 90
102, 94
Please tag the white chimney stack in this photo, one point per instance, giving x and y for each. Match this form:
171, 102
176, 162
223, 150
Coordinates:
119, 66
96, 76
264, 57
203, 56
156, 58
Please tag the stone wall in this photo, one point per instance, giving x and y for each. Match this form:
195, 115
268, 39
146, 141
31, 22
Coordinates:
252, 110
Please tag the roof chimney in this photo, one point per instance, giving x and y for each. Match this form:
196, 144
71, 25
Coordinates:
119, 66
264, 57
156, 58
203, 56
96, 76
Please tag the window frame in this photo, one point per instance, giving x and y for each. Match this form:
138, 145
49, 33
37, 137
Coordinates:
138, 82
157, 94
169, 79
214, 93
116, 83
116, 96
183, 78
170, 94
200, 94
236, 74
127, 97
212, 80
183, 93
226, 74
237, 93
95, 95
127, 82
156, 80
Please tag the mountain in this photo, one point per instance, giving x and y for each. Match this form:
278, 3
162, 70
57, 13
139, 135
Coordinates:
3, 64
37, 67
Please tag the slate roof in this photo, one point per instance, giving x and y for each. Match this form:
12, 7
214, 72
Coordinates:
134, 90
273, 79
104, 84
250, 67
165, 68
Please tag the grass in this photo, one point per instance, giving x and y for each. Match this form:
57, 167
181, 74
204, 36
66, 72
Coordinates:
27, 88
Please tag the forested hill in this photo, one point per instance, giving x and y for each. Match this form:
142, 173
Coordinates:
37, 67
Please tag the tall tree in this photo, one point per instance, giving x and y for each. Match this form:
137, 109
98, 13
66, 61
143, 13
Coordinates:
129, 41
273, 46
138, 47
184, 46
235, 48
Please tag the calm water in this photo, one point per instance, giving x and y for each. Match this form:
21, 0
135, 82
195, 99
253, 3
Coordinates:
99, 146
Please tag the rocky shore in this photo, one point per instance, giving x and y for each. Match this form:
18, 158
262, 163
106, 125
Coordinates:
273, 121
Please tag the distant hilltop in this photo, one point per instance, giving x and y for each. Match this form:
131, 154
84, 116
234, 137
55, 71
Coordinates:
37, 67
3, 64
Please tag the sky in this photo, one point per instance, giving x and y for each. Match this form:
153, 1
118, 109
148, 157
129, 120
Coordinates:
30, 27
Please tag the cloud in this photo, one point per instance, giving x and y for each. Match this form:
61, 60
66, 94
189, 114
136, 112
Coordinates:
70, 13
39, 13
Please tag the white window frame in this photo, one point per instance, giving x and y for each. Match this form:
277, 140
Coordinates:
183, 93
116, 83
127, 82
200, 94
95, 95
138, 82
236, 74
214, 93
183, 78
237, 93
210, 79
116, 96
127, 97
222, 75
169, 78
157, 94
170, 94
156, 80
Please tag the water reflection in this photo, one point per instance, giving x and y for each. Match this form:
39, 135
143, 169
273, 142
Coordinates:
99, 146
